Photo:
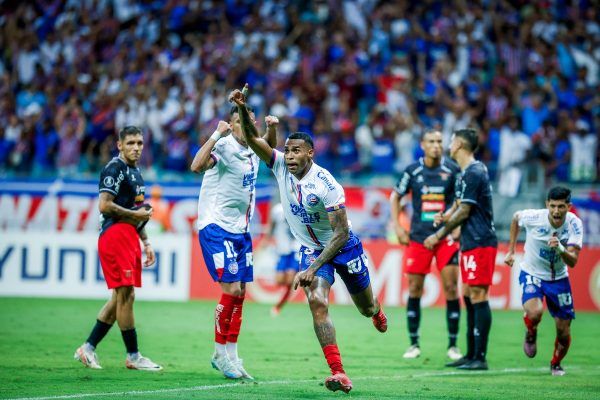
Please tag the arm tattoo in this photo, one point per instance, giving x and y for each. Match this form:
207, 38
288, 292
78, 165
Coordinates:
341, 232
107, 206
455, 220
246, 122
325, 332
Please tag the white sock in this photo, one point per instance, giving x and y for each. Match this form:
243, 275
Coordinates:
232, 350
220, 349
133, 356
89, 346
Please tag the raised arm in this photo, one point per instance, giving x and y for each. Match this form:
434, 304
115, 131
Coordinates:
512, 240
259, 145
202, 160
271, 134
341, 232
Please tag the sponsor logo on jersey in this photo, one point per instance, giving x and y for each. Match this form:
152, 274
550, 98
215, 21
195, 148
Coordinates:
321, 175
309, 251
248, 180
543, 231
109, 181
305, 216
310, 186
312, 199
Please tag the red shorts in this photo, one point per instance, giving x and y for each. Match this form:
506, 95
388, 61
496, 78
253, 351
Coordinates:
121, 256
418, 258
477, 265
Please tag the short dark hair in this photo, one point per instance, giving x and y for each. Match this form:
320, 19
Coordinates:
427, 132
302, 136
128, 131
559, 193
234, 109
470, 136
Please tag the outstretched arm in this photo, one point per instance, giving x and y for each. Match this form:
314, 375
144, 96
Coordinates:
259, 145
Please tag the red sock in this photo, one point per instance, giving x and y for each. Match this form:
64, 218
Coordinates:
529, 324
236, 319
286, 294
223, 318
332, 355
559, 354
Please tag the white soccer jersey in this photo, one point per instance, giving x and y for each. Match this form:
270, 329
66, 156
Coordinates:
285, 242
307, 201
540, 259
228, 194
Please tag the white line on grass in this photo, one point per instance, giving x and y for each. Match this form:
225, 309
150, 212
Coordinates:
281, 382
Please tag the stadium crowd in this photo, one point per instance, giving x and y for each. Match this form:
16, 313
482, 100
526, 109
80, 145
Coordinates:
364, 77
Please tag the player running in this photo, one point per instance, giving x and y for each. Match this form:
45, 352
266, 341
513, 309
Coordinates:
122, 219
225, 208
431, 180
554, 239
478, 245
313, 204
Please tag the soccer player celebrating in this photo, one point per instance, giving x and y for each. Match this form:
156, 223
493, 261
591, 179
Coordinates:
122, 219
431, 180
554, 239
313, 204
478, 245
225, 207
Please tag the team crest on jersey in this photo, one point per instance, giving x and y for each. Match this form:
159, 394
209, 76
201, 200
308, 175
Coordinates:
233, 267
529, 289
310, 186
444, 176
310, 259
420, 179
109, 181
312, 199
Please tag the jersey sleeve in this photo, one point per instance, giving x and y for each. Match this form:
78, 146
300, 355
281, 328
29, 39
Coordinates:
452, 187
277, 163
403, 185
575, 232
110, 179
334, 198
471, 187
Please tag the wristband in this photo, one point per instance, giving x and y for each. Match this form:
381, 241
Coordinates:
216, 136
560, 248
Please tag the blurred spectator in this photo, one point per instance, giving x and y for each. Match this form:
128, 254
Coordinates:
583, 153
160, 221
514, 149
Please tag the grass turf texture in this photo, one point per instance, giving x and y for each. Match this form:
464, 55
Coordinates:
39, 336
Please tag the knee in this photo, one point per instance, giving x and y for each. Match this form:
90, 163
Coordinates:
535, 315
451, 291
415, 289
318, 306
126, 295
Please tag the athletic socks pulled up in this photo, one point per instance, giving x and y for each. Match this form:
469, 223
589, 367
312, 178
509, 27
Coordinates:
334, 359
470, 328
98, 333
452, 320
561, 347
413, 317
236, 319
223, 315
483, 323
130, 340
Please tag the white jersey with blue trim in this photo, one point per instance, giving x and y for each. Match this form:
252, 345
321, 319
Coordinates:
541, 260
228, 192
307, 201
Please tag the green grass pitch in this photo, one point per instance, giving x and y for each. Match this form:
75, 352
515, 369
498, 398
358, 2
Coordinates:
38, 338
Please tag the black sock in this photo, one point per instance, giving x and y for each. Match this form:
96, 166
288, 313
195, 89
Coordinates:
413, 315
470, 328
452, 319
483, 323
130, 339
98, 332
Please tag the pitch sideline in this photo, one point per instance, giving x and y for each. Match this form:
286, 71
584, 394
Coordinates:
281, 382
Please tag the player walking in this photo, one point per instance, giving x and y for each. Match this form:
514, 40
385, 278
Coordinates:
225, 208
554, 239
121, 189
313, 204
478, 245
431, 180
